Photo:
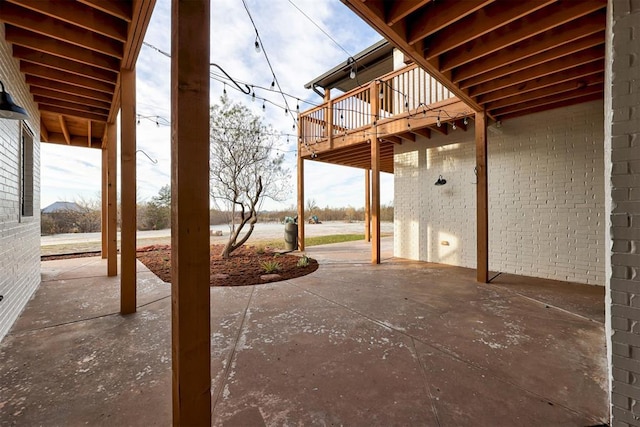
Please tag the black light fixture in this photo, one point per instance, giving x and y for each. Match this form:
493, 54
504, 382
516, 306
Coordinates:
9, 109
441, 181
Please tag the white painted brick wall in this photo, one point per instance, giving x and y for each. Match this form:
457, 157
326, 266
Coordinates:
546, 196
19, 236
623, 181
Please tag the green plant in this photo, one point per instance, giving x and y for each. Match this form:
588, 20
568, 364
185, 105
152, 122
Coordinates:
277, 254
303, 261
270, 266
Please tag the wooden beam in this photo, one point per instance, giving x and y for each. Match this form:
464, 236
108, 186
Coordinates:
375, 176
72, 113
573, 74
128, 192
535, 60
552, 67
76, 140
482, 200
549, 100
89, 134
44, 132
424, 132
435, 17
190, 263
51, 61
43, 100
50, 27
401, 9
301, 218
62, 96
391, 138
480, 23
82, 16
65, 130
64, 77
45, 83
112, 200
567, 34
119, 9
537, 23
442, 129
569, 86
367, 205
104, 217
407, 136
560, 104
22, 37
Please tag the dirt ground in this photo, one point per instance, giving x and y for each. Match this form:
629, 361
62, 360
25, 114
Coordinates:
243, 267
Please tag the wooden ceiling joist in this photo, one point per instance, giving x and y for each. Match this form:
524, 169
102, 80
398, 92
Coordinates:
487, 51
66, 65
62, 77
424, 132
71, 54
50, 27
80, 15
66, 88
22, 37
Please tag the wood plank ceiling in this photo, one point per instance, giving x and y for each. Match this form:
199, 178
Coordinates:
510, 58
71, 53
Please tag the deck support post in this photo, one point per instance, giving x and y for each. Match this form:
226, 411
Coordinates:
128, 191
367, 205
482, 199
112, 200
104, 203
190, 263
375, 174
301, 221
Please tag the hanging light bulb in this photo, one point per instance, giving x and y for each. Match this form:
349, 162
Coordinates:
286, 111
253, 96
438, 121
264, 107
381, 92
273, 83
256, 44
465, 121
298, 106
453, 126
352, 74
224, 89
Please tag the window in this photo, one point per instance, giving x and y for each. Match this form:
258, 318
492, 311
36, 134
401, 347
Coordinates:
26, 171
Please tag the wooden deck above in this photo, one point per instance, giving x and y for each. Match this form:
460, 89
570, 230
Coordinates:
411, 104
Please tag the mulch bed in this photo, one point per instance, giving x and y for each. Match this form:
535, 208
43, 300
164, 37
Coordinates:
240, 269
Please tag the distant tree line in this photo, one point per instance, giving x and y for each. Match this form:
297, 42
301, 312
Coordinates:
156, 215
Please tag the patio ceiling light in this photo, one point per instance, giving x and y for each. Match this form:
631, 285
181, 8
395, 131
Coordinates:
9, 109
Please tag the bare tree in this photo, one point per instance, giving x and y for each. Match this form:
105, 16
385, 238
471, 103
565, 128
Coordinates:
245, 168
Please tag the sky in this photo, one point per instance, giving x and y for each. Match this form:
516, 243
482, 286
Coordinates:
298, 52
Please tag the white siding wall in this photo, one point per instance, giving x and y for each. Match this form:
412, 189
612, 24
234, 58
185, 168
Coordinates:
546, 196
19, 236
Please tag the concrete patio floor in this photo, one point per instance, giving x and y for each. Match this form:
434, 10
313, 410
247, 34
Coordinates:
402, 343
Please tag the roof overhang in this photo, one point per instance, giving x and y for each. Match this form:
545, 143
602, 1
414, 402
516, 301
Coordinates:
369, 64
71, 54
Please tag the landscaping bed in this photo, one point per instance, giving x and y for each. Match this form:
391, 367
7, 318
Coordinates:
246, 265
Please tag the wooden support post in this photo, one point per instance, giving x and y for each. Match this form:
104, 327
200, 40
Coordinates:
128, 191
482, 199
105, 204
112, 200
190, 265
375, 175
301, 221
367, 205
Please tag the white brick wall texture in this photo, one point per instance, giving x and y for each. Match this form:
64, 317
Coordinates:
546, 196
623, 182
19, 236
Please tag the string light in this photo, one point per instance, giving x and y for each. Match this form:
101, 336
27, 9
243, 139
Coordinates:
256, 44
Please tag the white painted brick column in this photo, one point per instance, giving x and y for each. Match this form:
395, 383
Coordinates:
622, 166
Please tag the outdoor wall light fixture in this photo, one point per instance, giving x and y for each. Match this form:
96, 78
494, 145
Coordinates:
9, 109
441, 181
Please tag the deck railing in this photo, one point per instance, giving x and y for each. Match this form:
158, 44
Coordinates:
399, 92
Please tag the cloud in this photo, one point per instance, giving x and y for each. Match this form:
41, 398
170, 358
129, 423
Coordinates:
298, 52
